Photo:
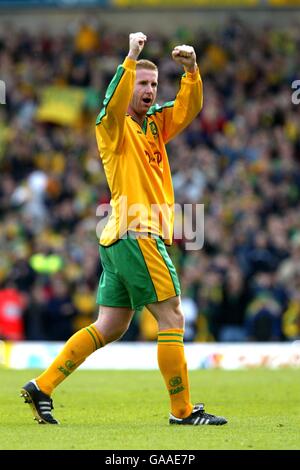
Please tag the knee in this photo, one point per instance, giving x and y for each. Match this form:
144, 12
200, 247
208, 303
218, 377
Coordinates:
117, 334
177, 317
111, 333
173, 317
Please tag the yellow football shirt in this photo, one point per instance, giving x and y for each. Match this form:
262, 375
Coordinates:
134, 158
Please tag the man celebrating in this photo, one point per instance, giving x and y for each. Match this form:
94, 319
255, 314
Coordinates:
131, 134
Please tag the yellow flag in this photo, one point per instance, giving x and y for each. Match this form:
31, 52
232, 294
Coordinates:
61, 105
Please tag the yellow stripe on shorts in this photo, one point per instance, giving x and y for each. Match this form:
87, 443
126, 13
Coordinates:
158, 270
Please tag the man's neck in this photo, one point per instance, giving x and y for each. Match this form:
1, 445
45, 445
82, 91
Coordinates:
139, 118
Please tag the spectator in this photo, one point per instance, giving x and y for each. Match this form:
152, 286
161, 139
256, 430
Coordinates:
12, 304
291, 316
233, 307
59, 312
34, 314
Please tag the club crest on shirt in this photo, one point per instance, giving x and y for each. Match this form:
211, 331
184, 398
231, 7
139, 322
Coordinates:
153, 128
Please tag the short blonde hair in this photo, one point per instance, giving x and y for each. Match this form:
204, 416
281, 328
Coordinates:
146, 64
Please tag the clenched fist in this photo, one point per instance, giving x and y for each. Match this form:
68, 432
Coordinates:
136, 44
186, 56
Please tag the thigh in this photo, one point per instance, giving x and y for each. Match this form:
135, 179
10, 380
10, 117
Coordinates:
115, 316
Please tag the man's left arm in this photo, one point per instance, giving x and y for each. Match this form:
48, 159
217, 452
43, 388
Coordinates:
189, 100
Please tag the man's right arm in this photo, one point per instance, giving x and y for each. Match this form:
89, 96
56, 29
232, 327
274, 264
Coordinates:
111, 119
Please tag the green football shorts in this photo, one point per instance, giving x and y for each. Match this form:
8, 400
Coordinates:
136, 272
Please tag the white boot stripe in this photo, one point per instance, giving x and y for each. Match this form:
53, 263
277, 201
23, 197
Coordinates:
174, 417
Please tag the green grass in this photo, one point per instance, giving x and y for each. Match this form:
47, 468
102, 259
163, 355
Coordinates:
129, 410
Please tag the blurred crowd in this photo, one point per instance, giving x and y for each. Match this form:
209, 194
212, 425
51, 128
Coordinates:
240, 158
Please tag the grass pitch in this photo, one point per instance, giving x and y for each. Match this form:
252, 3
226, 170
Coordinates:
129, 410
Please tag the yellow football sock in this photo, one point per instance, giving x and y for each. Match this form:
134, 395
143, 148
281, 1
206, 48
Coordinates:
75, 351
172, 364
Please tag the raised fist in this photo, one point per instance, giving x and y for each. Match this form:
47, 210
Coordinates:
136, 44
186, 56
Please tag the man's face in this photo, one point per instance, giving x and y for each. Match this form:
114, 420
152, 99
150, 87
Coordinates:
145, 89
